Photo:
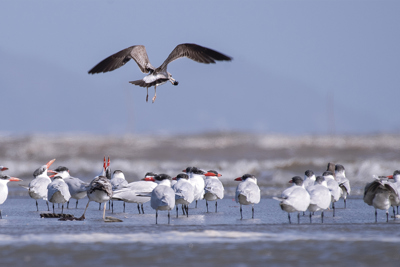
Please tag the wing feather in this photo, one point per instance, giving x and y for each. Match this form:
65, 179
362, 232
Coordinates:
117, 60
195, 52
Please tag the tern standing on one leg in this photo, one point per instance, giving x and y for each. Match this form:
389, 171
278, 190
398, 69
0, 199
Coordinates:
163, 196
160, 75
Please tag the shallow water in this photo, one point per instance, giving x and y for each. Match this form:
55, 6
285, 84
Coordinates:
219, 239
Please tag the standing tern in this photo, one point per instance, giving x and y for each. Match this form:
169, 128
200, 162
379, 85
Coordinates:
247, 192
344, 183
37, 188
196, 178
184, 193
118, 181
334, 188
4, 179
213, 189
58, 192
379, 193
160, 75
133, 192
295, 198
76, 186
163, 196
320, 197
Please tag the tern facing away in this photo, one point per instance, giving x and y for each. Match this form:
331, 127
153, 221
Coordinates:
184, 193
320, 197
4, 179
160, 75
247, 192
163, 196
213, 189
344, 183
295, 198
58, 192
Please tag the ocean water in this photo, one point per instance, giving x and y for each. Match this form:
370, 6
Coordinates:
351, 238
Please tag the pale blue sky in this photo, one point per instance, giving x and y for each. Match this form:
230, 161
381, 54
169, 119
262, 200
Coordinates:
290, 58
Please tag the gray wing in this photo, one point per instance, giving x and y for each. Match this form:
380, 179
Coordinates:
195, 52
101, 183
117, 60
370, 190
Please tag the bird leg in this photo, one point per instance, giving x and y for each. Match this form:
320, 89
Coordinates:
345, 203
333, 207
0, 215
138, 208
322, 217
176, 211
216, 205
104, 211
169, 216
53, 208
147, 96
112, 206
83, 215
196, 204
48, 209
387, 216
155, 93
142, 209
376, 216
156, 215
62, 210
183, 209
124, 206
37, 206
252, 211
207, 205
298, 217
187, 210
241, 215
76, 206
68, 205
310, 217
289, 218
99, 206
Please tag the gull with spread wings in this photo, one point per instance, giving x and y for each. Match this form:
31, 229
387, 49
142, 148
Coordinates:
160, 75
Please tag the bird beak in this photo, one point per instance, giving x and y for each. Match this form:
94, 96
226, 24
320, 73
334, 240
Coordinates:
4, 169
174, 178
50, 162
212, 174
15, 179
390, 177
184, 171
290, 182
239, 179
51, 176
149, 179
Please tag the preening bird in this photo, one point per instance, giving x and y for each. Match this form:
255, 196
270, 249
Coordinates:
160, 75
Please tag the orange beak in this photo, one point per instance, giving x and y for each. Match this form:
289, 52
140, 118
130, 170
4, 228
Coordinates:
4, 169
390, 177
239, 179
174, 178
15, 179
50, 162
212, 174
149, 179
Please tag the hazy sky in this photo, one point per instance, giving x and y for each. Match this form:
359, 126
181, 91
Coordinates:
300, 67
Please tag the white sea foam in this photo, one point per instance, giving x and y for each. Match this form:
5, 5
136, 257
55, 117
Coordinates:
175, 237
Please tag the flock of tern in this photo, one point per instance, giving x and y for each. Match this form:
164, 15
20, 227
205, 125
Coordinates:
313, 193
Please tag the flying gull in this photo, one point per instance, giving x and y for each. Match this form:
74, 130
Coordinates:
160, 75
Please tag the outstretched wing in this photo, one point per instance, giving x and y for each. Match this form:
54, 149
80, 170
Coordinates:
370, 190
195, 52
136, 52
